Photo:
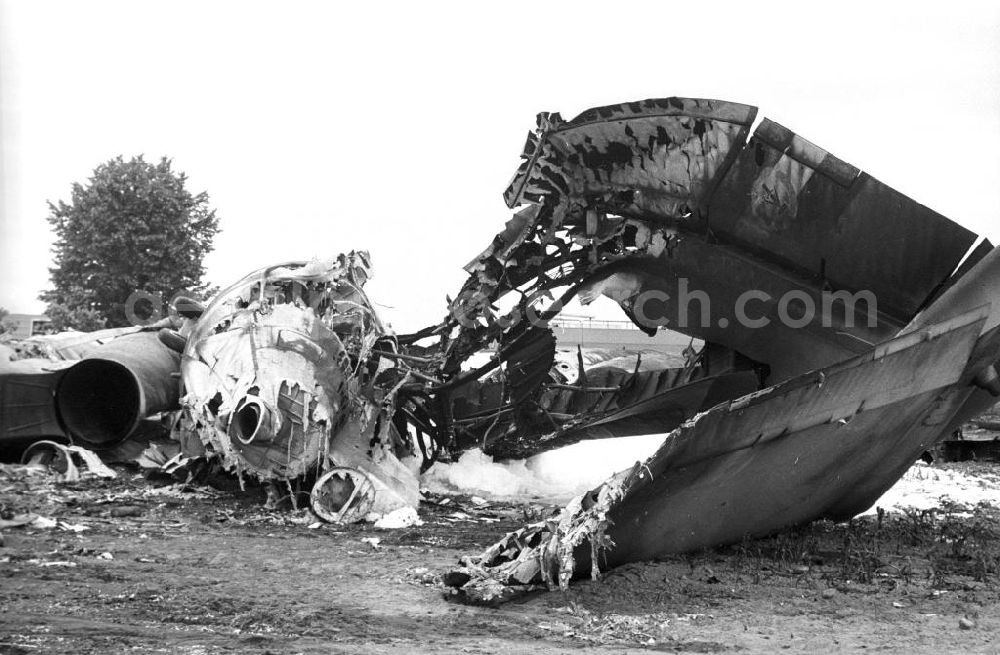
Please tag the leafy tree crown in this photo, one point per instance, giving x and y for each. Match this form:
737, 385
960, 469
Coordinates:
133, 227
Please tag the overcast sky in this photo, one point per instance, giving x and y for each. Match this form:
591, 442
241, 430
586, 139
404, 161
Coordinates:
394, 127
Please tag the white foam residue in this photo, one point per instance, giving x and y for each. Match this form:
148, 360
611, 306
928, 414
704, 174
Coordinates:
923, 487
403, 517
555, 476
559, 475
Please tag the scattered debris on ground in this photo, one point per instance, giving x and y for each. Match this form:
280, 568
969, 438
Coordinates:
151, 565
290, 378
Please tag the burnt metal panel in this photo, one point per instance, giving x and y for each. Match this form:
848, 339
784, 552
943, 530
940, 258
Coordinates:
793, 203
885, 375
894, 246
820, 445
27, 408
660, 156
723, 274
664, 411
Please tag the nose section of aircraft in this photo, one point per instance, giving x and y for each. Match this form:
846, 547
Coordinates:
269, 368
281, 380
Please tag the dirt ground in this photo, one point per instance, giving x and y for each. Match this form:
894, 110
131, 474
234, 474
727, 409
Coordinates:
130, 565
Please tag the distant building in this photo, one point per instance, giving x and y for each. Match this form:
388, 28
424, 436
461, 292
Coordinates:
28, 325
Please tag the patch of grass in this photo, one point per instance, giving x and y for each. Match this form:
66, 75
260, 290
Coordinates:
933, 546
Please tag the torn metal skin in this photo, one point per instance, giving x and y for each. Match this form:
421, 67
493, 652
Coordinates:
644, 197
290, 377
290, 374
91, 389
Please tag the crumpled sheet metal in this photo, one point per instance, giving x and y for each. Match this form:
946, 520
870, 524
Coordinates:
850, 406
90, 388
604, 217
69, 345
826, 444
608, 402
664, 155
545, 552
778, 196
27, 407
103, 398
724, 273
65, 458
795, 204
252, 349
278, 377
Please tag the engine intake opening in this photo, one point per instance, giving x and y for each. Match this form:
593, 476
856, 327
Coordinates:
99, 402
246, 423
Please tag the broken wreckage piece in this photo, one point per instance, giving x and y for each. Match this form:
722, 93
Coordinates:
284, 381
664, 197
290, 377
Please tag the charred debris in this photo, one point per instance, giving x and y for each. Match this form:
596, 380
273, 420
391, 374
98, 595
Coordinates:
290, 377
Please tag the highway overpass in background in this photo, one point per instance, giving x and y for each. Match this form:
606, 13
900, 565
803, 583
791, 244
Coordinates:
614, 335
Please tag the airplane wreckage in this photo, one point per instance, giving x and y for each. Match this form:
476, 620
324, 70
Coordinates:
782, 418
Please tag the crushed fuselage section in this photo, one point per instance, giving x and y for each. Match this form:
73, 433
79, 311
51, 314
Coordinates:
283, 380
